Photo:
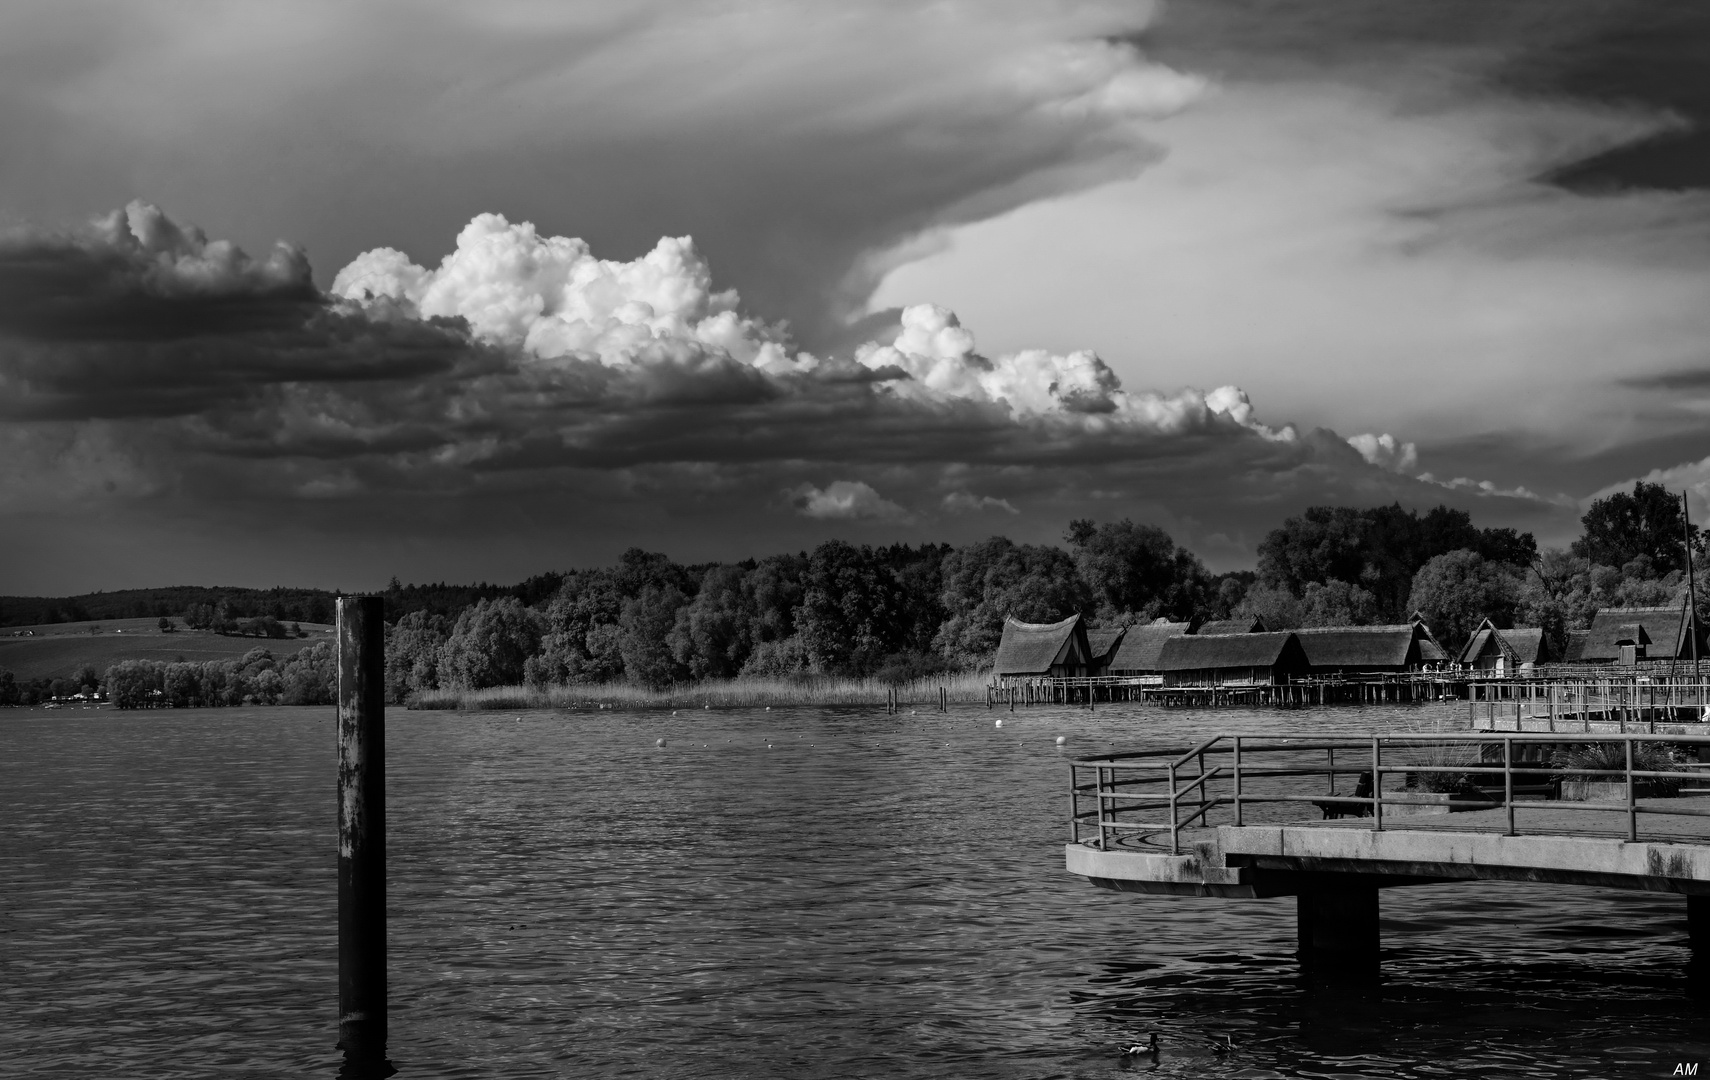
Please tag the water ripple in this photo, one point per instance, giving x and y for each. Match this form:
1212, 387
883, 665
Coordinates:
880, 896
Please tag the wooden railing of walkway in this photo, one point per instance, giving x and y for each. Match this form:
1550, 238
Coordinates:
1568, 705
1603, 694
1149, 798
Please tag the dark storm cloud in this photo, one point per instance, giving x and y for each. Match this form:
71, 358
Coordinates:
523, 354
137, 316
790, 139
1686, 379
135, 275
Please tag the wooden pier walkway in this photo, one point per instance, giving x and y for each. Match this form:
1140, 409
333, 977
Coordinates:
1568, 697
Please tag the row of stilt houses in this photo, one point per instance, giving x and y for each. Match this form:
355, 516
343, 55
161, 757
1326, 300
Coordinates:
1241, 661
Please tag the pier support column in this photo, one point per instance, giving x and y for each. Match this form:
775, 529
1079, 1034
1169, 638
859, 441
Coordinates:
1337, 924
1698, 926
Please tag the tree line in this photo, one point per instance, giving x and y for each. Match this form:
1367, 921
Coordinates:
901, 611
1341, 566
310, 677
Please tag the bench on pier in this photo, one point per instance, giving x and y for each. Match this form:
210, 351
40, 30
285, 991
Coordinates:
1362, 790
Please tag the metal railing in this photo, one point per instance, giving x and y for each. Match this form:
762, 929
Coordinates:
1182, 789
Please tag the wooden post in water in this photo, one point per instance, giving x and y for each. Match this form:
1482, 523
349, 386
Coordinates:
362, 835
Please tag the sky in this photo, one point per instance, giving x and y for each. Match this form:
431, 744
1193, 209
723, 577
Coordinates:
319, 294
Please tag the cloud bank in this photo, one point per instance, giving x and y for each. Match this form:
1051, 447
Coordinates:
525, 370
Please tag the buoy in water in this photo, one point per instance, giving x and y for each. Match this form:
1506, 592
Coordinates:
658, 742
1061, 740
1000, 723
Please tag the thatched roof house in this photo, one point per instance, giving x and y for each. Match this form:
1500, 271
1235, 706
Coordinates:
1058, 649
1223, 659
1356, 649
1503, 651
1104, 644
1627, 635
1138, 652
1219, 627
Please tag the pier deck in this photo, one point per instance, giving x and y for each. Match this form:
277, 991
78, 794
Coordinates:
1502, 825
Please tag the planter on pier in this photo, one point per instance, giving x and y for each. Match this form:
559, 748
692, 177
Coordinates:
1421, 803
1610, 791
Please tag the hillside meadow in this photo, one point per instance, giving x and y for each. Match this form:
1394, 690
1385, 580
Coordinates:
61, 650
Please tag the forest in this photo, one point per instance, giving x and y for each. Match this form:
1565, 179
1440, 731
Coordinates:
900, 612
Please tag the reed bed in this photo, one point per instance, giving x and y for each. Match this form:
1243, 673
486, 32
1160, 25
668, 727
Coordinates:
966, 688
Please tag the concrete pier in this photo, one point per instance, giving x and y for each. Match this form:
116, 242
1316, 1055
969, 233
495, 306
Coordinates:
1336, 872
1335, 820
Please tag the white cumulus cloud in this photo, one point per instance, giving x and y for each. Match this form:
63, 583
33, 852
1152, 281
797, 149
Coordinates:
937, 352
845, 500
1386, 452
553, 298
962, 502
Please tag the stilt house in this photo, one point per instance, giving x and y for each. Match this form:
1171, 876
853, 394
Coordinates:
1137, 654
1505, 652
1040, 650
1355, 650
1628, 635
1262, 659
1104, 644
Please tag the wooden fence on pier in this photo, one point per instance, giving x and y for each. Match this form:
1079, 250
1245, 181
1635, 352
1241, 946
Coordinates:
1638, 703
1376, 688
1544, 704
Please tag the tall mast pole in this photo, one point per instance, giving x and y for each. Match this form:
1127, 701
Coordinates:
1691, 586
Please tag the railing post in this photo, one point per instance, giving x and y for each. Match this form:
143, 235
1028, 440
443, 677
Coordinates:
1377, 786
1099, 789
1175, 843
1632, 797
362, 834
1074, 803
1508, 781
1237, 781
1204, 793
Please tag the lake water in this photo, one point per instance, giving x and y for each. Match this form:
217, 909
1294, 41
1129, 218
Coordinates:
794, 893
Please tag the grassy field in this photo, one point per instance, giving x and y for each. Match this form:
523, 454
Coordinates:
968, 688
60, 650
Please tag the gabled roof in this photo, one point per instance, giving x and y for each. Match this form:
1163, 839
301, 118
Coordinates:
1103, 643
1031, 648
1139, 648
1575, 651
1483, 640
1521, 645
1252, 624
1663, 629
1528, 644
1193, 652
1363, 646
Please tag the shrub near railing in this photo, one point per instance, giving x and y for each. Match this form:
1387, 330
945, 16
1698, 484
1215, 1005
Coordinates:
1593, 762
963, 689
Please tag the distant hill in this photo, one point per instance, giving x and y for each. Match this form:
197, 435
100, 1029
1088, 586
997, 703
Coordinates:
285, 604
61, 650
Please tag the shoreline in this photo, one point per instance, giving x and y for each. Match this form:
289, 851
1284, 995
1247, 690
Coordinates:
967, 688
